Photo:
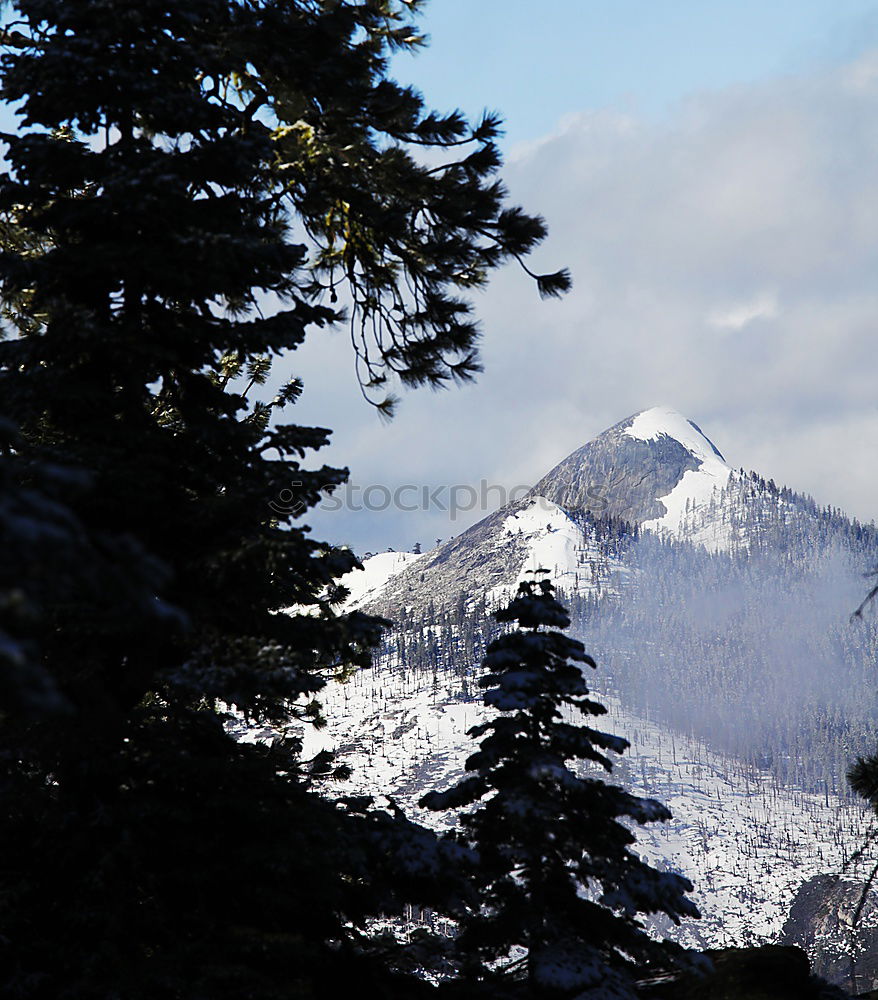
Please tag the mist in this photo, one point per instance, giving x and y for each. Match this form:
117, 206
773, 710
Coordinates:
756, 653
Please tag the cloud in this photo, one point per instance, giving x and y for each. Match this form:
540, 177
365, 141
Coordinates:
739, 315
862, 74
724, 260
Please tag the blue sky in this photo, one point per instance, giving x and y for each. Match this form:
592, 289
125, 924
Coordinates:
536, 63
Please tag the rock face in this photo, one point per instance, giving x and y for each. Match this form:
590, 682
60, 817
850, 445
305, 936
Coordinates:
842, 943
474, 562
618, 475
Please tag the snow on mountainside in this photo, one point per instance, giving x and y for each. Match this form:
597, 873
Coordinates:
746, 843
553, 542
717, 603
366, 584
489, 559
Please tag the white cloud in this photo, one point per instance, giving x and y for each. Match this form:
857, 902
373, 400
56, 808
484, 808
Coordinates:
737, 316
862, 74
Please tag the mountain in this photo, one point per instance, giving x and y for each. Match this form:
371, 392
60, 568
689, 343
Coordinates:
561, 523
721, 586
653, 472
717, 604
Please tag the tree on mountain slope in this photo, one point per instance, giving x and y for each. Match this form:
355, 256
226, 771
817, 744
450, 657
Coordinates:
561, 887
194, 185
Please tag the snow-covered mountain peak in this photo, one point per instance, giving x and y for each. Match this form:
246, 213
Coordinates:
686, 504
648, 425
656, 469
688, 646
624, 472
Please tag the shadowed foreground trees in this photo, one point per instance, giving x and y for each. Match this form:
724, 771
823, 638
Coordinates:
196, 184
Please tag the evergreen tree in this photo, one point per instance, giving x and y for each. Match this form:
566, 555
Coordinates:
50, 559
195, 185
561, 887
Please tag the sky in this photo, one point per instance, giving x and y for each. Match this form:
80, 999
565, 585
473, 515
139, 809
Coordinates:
709, 174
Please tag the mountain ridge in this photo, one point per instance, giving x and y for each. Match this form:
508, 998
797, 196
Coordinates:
653, 471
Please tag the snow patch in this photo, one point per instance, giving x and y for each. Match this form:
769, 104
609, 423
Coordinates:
691, 497
651, 424
367, 583
554, 542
